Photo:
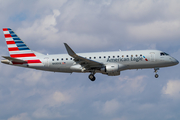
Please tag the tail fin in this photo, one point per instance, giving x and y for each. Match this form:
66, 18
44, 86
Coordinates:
17, 48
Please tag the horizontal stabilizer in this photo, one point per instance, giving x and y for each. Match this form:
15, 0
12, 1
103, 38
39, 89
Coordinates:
14, 59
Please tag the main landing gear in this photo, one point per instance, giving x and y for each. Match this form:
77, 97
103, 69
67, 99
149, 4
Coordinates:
156, 70
92, 77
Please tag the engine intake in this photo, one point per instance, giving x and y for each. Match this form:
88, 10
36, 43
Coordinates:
111, 69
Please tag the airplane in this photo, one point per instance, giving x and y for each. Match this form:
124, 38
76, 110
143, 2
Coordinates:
108, 63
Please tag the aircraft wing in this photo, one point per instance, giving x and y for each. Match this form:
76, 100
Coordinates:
14, 59
87, 63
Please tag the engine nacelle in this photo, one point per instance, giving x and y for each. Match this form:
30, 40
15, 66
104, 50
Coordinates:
113, 73
111, 69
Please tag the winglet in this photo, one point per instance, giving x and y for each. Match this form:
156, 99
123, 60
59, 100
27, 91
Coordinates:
69, 50
82, 59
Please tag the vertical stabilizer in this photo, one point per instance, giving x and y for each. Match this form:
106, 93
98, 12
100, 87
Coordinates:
17, 48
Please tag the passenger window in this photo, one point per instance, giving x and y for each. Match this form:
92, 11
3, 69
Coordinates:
113, 56
136, 55
126, 55
104, 56
61, 58
100, 57
122, 55
89, 57
52, 59
140, 54
131, 55
118, 56
70, 58
94, 57
108, 56
66, 58
58, 59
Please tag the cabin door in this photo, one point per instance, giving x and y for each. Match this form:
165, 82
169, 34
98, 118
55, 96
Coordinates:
152, 56
46, 62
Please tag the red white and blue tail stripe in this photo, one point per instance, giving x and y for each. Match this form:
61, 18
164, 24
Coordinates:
18, 49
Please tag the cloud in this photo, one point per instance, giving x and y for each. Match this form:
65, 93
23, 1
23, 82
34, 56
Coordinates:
172, 89
122, 118
129, 86
48, 108
46, 113
132, 85
144, 11
155, 30
22, 116
29, 77
131, 9
44, 29
46, 32
110, 107
58, 98
107, 108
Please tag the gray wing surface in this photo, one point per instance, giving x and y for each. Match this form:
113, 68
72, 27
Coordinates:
87, 63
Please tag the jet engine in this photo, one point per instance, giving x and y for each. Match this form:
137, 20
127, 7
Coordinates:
111, 69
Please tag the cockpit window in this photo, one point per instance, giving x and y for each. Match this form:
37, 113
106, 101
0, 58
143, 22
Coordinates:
163, 54
166, 54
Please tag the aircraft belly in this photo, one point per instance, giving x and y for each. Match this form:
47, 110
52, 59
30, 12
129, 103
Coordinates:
59, 67
144, 65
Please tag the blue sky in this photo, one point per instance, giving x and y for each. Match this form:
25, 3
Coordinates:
89, 26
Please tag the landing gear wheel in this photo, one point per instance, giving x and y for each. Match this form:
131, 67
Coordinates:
156, 70
156, 75
92, 77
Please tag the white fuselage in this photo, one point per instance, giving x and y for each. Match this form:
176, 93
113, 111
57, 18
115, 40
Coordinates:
139, 59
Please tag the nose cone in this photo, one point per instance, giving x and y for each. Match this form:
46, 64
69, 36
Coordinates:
175, 61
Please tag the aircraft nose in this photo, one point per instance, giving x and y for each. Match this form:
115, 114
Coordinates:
175, 61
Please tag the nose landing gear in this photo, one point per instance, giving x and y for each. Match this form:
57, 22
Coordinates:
156, 70
156, 75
